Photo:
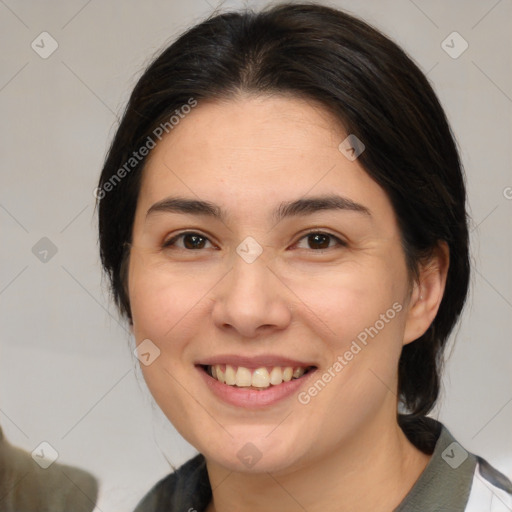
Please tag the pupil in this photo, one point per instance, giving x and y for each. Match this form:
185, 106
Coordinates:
194, 244
318, 239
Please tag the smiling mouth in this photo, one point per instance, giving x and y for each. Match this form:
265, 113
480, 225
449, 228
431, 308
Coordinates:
259, 378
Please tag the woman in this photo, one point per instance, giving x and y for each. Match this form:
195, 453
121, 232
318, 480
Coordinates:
282, 217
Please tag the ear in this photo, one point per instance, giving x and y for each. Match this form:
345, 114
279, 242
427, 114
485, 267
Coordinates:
427, 293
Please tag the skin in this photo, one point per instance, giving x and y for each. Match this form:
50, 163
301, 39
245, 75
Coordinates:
297, 300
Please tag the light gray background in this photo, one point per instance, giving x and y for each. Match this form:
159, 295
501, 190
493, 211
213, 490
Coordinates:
67, 375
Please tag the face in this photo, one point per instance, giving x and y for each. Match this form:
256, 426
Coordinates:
262, 272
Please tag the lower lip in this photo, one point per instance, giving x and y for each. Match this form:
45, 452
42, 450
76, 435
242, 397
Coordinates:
251, 398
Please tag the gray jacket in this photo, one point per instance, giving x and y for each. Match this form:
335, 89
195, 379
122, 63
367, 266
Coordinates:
27, 487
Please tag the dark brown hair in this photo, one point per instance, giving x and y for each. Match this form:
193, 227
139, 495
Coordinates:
359, 75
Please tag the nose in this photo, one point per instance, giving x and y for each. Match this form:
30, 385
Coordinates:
251, 300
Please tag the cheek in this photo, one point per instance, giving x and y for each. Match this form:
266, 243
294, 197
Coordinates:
162, 300
359, 315
165, 307
344, 302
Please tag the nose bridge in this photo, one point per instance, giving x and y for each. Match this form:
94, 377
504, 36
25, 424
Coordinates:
251, 280
251, 296
249, 267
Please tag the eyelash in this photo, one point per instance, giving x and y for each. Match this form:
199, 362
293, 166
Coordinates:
169, 243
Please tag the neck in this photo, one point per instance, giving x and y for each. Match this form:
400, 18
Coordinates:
372, 471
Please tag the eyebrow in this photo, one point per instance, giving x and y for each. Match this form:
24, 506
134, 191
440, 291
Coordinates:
303, 206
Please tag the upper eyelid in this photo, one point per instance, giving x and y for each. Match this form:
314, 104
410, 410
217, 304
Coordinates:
202, 235
340, 241
176, 237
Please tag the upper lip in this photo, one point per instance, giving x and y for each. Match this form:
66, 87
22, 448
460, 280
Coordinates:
253, 362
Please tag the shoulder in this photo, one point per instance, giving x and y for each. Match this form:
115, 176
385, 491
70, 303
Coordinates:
454, 479
188, 487
28, 486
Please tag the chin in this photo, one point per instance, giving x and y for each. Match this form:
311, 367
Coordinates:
254, 453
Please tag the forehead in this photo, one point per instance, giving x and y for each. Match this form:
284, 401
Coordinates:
254, 151
280, 122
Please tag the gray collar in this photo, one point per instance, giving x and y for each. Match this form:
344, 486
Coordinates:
445, 483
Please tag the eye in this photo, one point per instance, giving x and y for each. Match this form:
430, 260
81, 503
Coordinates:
320, 240
316, 240
191, 240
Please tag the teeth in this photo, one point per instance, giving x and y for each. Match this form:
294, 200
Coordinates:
298, 372
276, 376
230, 375
259, 378
243, 377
